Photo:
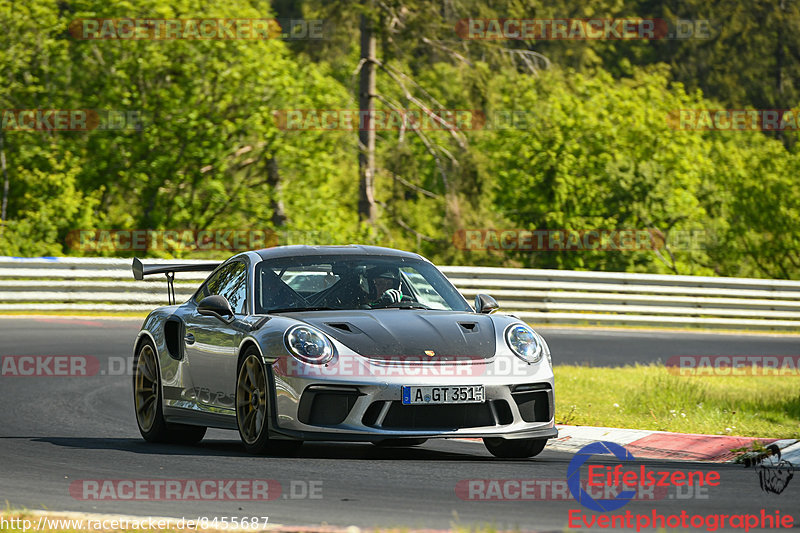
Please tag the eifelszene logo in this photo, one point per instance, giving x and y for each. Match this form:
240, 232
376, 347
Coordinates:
631, 478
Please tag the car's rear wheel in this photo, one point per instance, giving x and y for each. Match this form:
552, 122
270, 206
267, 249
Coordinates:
148, 405
399, 443
514, 448
252, 408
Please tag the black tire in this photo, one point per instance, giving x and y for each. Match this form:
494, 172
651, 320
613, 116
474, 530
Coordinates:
399, 443
253, 408
148, 406
514, 448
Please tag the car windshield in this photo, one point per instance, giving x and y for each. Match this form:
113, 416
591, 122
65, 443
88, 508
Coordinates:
327, 282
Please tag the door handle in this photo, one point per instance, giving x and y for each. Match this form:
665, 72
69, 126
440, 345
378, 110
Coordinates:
189, 338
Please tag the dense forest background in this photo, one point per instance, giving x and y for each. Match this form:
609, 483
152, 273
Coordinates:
595, 148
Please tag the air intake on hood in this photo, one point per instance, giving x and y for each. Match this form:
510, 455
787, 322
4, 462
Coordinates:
344, 326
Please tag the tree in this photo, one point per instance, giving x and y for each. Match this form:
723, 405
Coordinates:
208, 152
366, 133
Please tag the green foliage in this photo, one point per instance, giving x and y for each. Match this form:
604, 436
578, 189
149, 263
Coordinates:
600, 154
595, 149
49, 207
207, 145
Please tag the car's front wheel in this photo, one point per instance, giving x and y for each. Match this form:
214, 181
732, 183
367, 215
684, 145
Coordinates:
514, 448
147, 403
252, 408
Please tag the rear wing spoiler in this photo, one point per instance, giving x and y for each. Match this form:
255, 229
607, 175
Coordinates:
141, 270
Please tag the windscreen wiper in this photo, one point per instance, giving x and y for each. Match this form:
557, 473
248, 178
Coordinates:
403, 305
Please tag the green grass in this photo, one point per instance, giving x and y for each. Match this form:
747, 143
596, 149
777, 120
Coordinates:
649, 397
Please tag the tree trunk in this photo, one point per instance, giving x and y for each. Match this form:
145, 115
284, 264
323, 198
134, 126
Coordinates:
779, 55
778, 101
5, 177
366, 133
278, 210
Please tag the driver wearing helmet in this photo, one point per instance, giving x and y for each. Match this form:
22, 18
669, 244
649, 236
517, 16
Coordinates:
385, 286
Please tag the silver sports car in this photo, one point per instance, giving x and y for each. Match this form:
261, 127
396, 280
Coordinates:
356, 343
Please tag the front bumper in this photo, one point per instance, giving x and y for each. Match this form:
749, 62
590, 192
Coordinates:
364, 402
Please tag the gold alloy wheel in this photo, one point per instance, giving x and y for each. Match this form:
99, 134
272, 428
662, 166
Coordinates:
251, 399
146, 396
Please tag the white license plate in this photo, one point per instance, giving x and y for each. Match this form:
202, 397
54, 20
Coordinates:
443, 395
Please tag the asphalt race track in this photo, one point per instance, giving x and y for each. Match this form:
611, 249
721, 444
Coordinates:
55, 431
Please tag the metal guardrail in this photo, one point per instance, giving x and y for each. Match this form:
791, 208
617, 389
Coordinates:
537, 296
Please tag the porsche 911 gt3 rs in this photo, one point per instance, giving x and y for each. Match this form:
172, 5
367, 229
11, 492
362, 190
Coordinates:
355, 343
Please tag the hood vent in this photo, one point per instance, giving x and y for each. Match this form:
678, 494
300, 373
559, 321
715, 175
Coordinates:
343, 326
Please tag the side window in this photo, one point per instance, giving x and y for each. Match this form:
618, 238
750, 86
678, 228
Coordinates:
233, 286
211, 284
230, 282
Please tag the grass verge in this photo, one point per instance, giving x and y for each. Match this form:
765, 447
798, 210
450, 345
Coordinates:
649, 397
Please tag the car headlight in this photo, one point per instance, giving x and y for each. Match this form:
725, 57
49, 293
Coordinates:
309, 345
524, 342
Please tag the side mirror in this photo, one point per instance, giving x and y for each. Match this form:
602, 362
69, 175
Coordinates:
485, 304
216, 305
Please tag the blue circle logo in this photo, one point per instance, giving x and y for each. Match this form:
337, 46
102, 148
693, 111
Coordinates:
574, 476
